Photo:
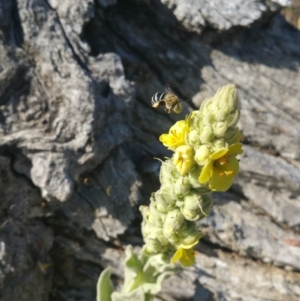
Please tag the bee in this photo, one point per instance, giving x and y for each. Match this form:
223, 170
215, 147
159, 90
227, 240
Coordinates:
168, 100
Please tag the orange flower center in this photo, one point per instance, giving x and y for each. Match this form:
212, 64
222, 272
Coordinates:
221, 166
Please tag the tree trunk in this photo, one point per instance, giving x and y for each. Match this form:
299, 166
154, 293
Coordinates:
78, 138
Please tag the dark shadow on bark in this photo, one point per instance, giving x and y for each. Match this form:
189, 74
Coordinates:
274, 44
151, 44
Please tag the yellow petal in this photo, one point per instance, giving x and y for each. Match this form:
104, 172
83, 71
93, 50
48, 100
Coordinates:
177, 255
168, 140
206, 172
184, 159
221, 180
235, 149
218, 183
177, 135
218, 154
188, 258
185, 256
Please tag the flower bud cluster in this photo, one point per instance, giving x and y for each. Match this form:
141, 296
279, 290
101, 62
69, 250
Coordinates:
168, 222
214, 125
205, 147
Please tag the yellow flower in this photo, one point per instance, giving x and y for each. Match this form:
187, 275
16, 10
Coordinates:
177, 135
185, 256
184, 159
221, 168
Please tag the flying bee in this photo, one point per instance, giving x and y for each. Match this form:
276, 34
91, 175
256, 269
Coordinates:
168, 100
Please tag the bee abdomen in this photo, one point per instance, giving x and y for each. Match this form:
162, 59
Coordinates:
157, 97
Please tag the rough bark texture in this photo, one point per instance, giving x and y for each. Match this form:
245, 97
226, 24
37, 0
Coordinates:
78, 137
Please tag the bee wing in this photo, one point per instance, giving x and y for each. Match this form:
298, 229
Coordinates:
168, 89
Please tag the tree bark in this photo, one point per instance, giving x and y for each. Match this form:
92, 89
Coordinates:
78, 138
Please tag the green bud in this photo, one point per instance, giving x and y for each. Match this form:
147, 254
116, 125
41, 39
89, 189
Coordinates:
193, 137
220, 111
232, 135
174, 221
196, 206
182, 186
233, 118
153, 236
202, 155
220, 128
155, 241
193, 176
194, 119
206, 134
225, 101
218, 144
187, 236
164, 202
206, 107
156, 217
168, 172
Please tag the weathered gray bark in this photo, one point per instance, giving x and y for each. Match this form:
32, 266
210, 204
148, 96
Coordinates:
78, 137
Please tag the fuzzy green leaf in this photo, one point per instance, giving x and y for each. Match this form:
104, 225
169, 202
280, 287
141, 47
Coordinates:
145, 273
136, 295
104, 286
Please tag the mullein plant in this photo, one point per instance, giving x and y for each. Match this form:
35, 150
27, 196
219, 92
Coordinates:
205, 146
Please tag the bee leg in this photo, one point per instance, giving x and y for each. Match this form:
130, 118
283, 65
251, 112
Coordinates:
162, 103
168, 110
